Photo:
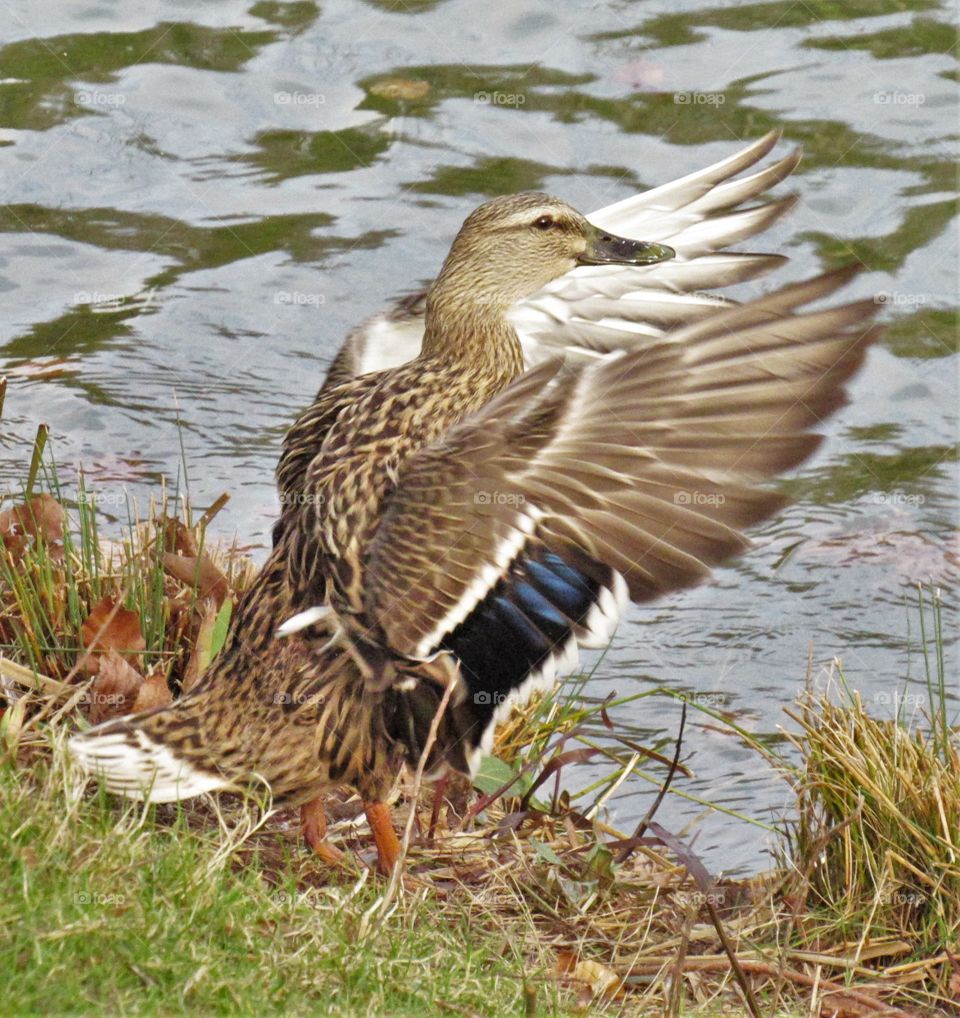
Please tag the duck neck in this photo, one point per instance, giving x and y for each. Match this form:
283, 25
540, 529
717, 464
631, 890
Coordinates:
471, 332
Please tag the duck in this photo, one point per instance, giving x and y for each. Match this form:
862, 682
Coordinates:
564, 422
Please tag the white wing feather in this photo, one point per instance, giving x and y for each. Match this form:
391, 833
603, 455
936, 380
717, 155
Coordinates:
597, 309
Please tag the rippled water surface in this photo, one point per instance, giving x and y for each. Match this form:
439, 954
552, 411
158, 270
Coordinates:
199, 200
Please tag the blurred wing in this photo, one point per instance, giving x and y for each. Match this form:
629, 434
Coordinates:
522, 533
595, 310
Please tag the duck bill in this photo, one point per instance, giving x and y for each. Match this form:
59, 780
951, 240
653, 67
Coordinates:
607, 249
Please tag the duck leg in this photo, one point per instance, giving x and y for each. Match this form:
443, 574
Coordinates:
385, 837
314, 826
438, 792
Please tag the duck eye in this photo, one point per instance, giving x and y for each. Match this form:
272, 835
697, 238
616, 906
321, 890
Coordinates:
544, 222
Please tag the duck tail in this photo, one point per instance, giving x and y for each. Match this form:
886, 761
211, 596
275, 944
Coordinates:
155, 756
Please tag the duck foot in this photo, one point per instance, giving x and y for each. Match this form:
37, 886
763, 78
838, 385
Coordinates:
385, 837
313, 823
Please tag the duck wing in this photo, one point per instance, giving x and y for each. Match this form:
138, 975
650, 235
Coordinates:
523, 532
595, 310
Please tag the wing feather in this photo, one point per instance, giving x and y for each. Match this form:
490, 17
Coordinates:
647, 462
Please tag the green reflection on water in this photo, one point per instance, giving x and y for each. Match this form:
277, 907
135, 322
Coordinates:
52, 67
929, 333
488, 177
682, 29
285, 154
192, 247
848, 477
922, 37
887, 253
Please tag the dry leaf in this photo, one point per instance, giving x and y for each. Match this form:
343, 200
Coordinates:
121, 632
202, 571
15, 543
154, 692
177, 536
602, 981
40, 517
114, 690
955, 987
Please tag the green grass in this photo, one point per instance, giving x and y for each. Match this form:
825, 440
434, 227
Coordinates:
102, 910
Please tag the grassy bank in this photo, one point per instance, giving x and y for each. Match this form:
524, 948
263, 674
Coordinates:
519, 899
110, 910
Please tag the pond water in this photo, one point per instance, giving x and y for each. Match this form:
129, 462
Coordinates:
200, 200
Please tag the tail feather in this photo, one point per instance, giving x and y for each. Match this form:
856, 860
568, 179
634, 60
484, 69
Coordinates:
130, 763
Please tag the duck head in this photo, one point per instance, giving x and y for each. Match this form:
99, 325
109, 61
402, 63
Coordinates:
512, 246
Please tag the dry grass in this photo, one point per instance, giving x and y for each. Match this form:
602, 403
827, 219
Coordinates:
860, 918
877, 841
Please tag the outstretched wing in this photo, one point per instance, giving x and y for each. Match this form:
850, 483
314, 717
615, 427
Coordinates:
594, 310
522, 533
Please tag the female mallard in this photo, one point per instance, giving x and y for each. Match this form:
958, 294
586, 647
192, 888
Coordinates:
459, 521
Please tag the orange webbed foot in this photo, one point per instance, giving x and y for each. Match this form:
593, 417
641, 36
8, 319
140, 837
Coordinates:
313, 822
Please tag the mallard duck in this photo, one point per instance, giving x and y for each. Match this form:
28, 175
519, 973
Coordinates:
551, 442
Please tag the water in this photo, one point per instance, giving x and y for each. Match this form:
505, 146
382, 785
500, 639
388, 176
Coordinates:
245, 183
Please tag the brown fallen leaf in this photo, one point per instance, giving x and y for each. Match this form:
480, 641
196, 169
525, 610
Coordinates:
154, 692
201, 570
602, 980
40, 518
177, 536
121, 632
114, 690
14, 542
